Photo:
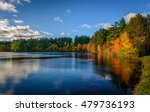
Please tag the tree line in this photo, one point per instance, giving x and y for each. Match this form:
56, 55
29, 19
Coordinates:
62, 44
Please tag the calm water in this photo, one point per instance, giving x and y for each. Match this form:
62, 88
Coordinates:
66, 73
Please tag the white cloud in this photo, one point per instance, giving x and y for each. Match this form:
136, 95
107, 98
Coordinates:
68, 11
47, 34
68, 33
58, 19
62, 33
36, 33
106, 26
4, 23
65, 34
19, 1
144, 14
4, 6
9, 6
86, 26
8, 32
18, 21
103, 25
129, 16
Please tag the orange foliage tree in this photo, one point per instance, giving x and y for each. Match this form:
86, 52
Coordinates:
116, 46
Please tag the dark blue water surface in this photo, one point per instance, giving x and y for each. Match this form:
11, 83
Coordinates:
66, 74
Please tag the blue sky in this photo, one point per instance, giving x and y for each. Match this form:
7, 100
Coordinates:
55, 18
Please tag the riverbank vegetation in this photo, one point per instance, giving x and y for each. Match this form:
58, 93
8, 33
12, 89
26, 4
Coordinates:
143, 88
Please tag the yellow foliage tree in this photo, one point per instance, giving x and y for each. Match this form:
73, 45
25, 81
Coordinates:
99, 50
126, 46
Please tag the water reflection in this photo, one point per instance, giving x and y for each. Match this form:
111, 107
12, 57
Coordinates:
125, 72
12, 72
79, 73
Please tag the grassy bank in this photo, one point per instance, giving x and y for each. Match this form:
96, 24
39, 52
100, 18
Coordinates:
143, 88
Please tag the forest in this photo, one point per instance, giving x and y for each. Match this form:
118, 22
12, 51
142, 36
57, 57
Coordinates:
126, 39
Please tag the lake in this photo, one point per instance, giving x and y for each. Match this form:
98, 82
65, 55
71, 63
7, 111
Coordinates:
57, 73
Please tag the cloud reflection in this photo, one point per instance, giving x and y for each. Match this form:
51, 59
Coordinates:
12, 72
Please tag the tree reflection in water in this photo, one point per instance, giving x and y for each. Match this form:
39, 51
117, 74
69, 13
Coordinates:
125, 72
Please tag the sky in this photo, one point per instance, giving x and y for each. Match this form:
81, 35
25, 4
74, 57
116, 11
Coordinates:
57, 18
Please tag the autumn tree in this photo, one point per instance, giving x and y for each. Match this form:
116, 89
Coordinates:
126, 46
116, 29
138, 33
